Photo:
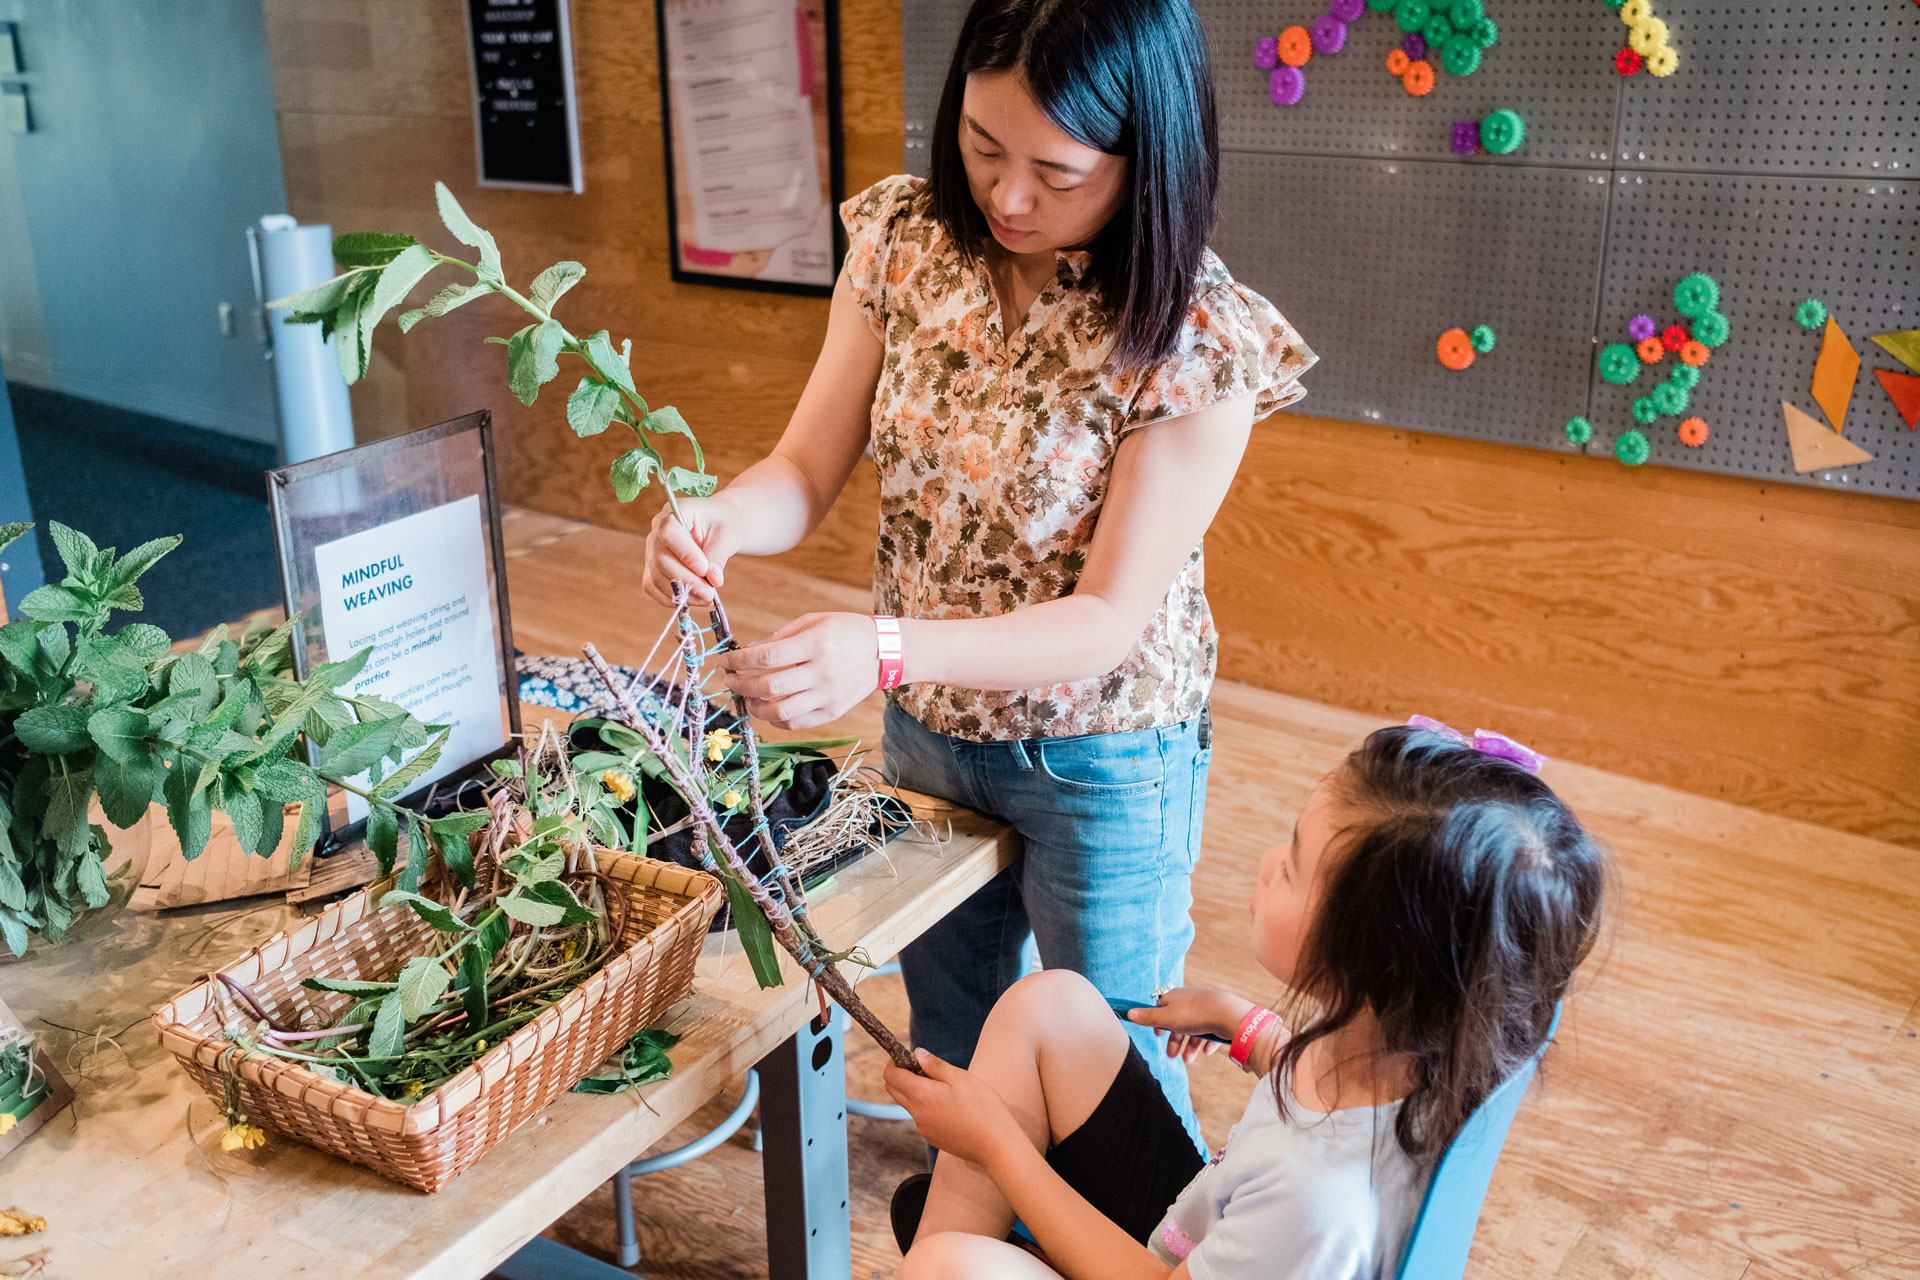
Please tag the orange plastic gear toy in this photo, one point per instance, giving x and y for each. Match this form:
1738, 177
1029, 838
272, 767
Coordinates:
1455, 349
1651, 350
1693, 432
1398, 62
1695, 353
1419, 78
1295, 46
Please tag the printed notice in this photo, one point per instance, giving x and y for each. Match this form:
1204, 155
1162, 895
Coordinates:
416, 591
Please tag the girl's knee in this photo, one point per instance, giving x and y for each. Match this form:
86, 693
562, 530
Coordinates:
944, 1255
1051, 994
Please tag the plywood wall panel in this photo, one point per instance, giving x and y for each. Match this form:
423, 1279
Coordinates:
1754, 642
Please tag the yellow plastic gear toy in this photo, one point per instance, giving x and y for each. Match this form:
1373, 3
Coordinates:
1648, 37
1663, 61
1634, 12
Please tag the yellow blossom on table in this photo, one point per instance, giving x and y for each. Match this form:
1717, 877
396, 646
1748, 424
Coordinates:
243, 1136
618, 784
16, 1221
731, 799
719, 742
7, 1121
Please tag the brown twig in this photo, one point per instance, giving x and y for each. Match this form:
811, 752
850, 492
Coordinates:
810, 958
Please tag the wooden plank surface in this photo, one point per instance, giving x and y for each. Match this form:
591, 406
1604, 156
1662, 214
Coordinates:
121, 1181
1748, 641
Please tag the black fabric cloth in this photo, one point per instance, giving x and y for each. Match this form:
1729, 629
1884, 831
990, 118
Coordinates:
1132, 1157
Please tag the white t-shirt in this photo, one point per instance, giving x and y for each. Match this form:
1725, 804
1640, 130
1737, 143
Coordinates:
1311, 1197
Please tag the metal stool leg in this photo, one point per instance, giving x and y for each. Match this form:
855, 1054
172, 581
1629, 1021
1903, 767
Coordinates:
629, 1253
623, 1180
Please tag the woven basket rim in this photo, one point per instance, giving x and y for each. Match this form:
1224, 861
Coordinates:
692, 885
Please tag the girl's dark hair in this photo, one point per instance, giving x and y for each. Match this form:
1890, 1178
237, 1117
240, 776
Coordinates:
1127, 77
1456, 906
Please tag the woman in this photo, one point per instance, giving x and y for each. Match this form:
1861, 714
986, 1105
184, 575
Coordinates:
1058, 380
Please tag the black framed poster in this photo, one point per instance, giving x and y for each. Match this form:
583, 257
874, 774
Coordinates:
526, 132
750, 107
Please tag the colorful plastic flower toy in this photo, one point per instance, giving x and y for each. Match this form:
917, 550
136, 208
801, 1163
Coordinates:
1632, 448
1643, 327
1419, 78
1482, 338
1578, 430
1329, 34
1397, 62
1619, 364
1693, 432
1674, 338
1711, 329
1502, 131
1295, 46
1695, 353
1266, 53
1286, 86
1627, 62
1811, 314
1696, 295
1652, 350
1455, 349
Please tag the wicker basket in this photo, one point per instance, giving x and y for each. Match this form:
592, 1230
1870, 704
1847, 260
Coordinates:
425, 1144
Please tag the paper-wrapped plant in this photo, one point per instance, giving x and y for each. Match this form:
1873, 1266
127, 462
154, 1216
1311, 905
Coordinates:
379, 272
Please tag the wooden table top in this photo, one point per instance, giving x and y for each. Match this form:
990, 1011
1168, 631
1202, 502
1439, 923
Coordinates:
123, 1185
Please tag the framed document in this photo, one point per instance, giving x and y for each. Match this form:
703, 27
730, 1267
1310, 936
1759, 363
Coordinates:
750, 106
526, 132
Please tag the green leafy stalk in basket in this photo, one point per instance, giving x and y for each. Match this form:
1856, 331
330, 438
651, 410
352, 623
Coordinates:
90, 713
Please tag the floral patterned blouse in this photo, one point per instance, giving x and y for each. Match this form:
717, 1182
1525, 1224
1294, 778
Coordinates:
995, 452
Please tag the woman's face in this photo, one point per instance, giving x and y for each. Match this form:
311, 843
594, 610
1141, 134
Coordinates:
1288, 890
1039, 189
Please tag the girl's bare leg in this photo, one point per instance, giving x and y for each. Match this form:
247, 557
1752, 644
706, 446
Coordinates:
1050, 1048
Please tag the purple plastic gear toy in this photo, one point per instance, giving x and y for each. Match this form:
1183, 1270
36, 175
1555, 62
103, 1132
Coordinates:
1266, 53
1346, 10
1286, 85
1329, 34
1415, 45
1643, 327
1466, 137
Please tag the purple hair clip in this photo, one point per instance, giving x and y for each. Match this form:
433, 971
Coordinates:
1484, 741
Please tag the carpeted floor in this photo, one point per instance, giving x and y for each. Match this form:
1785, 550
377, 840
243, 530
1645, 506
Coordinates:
123, 477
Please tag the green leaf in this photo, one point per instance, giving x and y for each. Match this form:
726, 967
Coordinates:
53, 731
383, 835
12, 892
93, 881
12, 531
400, 779
358, 747
369, 248
128, 787
121, 732
321, 300
453, 297
388, 1038
55, 603
398, 280
423, 981
590, 407
141, 559
668, 421
434, 913
76, 550
555, 894
417, 850
467, 233
144, 640
531, 911
695, 484
610, 366
191, 678
249, 824
533, 359
756, 935
632, 470
307, 829
474, 961
643, 1061
554, 281
348, 986
187, 808
450, 835
115, 670
13, 927
283, 781
65, 822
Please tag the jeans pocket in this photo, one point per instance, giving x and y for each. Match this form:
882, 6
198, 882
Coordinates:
1104, 764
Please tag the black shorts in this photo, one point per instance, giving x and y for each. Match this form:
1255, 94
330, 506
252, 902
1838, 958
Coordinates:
1132, 1157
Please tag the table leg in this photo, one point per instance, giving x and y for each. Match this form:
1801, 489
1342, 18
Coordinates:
803, 1119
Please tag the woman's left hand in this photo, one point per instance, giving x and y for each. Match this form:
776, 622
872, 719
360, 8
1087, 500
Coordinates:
954, 1110
809, 672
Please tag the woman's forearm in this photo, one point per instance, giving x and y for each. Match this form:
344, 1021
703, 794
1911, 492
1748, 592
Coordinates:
775, 504
1074, 638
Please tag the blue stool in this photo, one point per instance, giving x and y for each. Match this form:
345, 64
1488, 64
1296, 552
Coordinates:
629, 1252
1443, 1231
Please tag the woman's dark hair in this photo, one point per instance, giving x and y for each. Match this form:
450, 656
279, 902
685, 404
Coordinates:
1456, 905
1127, 77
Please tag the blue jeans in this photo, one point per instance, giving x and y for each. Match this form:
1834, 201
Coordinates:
1112, 829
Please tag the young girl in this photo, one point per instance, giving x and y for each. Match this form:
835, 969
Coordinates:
1428, 913
1057, 379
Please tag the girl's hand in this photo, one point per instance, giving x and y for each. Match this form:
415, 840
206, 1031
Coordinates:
692, 548
1187, 1013
955, 1111
808, 672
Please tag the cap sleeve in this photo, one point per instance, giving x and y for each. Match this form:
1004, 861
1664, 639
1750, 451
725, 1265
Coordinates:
873, 219
1235, 343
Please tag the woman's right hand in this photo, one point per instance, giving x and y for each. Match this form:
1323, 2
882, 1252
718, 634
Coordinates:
691, 548
1187, 1013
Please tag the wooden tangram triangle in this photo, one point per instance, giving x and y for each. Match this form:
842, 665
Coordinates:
1815, 448
1904, 389
1833, 374
1903, 346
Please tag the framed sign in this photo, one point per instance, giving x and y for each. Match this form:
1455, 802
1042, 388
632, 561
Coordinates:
394, 547
526, 132
750, 106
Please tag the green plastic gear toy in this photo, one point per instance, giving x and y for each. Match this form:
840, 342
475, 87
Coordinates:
1579, 431
1670, 398
1412, 15
1438, 30
1619, 363
1503, 131
1684, 375
1485, 32
1615, 4
1460, 56
1632, 448
1383, 6
1482, 338
1465, 13
1645, 412
1697, 295
1811, 314
1710, 330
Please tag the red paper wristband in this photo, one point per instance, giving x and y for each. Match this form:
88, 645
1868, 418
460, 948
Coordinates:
887, 633
1250, 1028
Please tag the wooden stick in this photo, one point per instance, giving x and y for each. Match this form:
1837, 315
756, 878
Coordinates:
831, 980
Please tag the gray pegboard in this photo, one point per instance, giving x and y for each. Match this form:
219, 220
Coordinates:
1769, 242
929, 29
1781, 87
1542, 65
1372, 259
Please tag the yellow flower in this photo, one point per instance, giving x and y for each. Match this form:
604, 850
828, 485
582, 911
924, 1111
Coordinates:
243, 1136
719, 742
18, 1222
731, 799
618, 783
481, 1047
413, 1087
7, 1121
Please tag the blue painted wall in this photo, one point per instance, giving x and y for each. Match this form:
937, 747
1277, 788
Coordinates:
20, 570
123, 216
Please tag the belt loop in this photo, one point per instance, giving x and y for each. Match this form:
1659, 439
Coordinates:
1020, 754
